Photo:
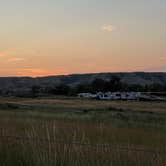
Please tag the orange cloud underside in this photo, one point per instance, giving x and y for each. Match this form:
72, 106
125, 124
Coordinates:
2, 55
37, 72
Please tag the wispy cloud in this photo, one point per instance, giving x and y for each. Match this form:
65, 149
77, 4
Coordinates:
15, 59
108, 27
7, 53
13, 55
2, 55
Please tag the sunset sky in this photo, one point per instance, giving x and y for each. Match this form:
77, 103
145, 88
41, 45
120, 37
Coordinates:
50, 37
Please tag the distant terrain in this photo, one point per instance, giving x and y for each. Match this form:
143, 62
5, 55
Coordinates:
75, 79
26, 83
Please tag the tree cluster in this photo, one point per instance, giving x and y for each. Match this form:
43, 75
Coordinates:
114, 84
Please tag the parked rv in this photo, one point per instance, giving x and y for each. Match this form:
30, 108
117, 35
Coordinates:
112, 95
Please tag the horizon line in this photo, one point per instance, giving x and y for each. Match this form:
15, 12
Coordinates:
69, 74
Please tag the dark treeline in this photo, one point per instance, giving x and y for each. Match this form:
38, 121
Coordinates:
114, 84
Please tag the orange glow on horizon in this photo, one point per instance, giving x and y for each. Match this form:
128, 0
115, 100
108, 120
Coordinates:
37, 72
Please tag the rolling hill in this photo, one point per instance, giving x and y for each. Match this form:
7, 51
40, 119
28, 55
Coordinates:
25, 83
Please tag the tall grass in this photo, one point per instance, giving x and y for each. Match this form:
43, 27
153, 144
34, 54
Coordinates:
51, 132
50, 144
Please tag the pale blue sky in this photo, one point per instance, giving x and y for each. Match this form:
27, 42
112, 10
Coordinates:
60, 32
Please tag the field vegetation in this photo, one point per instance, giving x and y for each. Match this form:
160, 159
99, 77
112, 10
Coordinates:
59, 131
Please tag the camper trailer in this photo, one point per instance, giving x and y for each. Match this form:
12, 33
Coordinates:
112, 95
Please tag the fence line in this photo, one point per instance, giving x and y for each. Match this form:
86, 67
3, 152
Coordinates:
105, 146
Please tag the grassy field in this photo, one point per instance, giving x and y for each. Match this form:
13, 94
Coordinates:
73, 132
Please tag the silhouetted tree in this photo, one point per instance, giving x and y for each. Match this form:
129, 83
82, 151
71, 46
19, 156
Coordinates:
98, 85
35, 90
59, 90
81, 88
115, 84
